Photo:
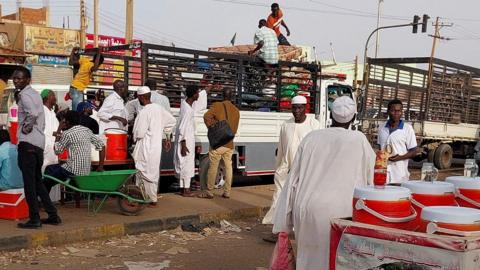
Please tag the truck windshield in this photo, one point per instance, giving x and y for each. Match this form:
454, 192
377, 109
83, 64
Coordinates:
337, 90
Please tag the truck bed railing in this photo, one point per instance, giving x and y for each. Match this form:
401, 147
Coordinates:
453, 95
255, 87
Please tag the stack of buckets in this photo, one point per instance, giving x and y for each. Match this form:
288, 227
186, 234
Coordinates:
290, 91
387, 206
425, 206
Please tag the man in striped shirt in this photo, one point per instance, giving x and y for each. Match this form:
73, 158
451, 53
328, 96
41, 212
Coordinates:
77, 139
267, 44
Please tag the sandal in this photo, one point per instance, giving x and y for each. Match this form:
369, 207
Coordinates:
205, 195
187, 193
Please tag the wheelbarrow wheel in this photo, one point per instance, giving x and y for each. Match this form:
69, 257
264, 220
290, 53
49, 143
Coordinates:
128, 207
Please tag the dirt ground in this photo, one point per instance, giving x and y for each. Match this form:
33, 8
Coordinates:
239, 246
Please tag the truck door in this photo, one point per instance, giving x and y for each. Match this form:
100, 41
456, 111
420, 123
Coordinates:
332, 89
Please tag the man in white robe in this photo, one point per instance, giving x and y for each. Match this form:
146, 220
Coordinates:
328, 165
113, 114
291, 134
134, 107
184, 156
51, 127
150, 125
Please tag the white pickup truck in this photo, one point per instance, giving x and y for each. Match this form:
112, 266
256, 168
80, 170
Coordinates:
263, 98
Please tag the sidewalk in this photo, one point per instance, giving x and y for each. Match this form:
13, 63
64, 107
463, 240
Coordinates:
172, 210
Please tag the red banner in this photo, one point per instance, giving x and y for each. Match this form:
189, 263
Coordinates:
107, 41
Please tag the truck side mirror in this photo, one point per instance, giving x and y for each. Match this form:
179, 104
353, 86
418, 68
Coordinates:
329, 122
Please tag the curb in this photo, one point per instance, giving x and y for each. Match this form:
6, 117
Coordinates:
55, 238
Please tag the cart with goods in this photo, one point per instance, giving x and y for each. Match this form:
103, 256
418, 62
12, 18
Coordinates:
102, 185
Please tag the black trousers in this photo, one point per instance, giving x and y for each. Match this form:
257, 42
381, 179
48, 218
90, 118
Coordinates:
282, 40
57, 171
30, 161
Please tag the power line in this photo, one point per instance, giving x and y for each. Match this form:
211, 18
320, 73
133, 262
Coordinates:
147, 31
113, 24
156, 31
240, 2
383, 16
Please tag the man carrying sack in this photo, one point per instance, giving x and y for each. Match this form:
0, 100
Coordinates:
222, 123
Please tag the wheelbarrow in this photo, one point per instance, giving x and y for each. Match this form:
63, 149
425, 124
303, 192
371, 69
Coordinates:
130, 198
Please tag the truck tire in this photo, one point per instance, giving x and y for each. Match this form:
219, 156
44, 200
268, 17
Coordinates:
203, 172
431, 155
443, 156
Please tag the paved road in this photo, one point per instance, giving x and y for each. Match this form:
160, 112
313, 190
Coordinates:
215, 249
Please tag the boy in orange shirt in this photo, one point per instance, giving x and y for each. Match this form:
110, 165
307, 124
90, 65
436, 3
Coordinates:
274, 20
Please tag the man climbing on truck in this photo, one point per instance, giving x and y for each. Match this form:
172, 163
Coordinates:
83, 75
274, 20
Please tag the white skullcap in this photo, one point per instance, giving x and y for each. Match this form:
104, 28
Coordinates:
142, 90
299, 100
343, 109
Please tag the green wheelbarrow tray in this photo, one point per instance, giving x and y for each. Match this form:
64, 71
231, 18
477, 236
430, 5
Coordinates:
107, 183
103, 181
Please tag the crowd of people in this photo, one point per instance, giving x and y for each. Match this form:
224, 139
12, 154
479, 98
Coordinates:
313, 180
45, 132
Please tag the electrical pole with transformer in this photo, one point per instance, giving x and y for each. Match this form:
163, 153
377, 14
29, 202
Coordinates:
435, 36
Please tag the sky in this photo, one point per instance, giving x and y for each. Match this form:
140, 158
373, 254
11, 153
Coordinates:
325, 24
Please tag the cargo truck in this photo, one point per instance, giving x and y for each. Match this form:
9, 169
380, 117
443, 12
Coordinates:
441, 100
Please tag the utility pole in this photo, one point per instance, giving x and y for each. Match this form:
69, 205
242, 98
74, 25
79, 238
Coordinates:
129, 22
19, 6
432, 54
377, 38
95, 23
83, 24
436, 36
46, 5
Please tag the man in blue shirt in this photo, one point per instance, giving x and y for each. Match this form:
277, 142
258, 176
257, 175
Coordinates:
10, 174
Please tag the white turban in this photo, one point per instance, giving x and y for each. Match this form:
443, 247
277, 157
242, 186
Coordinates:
343, 109
142, 90
299, 100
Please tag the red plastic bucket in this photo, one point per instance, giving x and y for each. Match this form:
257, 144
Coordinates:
388, 207
116, 144
467, 190
285, 103
12, 130
450, 220
429, 194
